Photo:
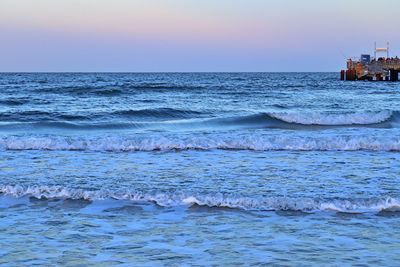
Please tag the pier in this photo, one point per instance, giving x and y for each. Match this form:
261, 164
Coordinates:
378, 68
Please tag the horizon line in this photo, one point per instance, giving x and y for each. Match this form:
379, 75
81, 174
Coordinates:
171, 72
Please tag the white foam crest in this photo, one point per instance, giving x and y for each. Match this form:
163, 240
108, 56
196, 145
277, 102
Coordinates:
219, 201
224, 142
315, 118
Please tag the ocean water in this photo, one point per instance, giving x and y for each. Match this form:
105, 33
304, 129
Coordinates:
198, 169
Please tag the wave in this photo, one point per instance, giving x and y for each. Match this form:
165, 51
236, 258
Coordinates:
201, 142
311, 120
160, 113
152, 117
71, 125
326, 119
161, 86
371, 205
108, 92
116, 88
37, 116
14, 102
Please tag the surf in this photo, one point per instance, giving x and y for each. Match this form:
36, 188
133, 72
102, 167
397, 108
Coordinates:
254, 142
309, 205
336, 119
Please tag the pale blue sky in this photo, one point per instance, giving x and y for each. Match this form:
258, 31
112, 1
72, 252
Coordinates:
207, 35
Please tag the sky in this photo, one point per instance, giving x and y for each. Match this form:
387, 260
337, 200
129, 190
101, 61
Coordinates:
192, 35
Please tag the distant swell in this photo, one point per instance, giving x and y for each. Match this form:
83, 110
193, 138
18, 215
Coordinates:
13, 102
202, 142
161, 85
37, 116
116, 89
159, 113
176, 199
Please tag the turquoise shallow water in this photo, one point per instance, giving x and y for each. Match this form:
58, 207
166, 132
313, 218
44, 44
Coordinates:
198, 169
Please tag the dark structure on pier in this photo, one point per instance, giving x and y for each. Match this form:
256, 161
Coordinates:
372, 69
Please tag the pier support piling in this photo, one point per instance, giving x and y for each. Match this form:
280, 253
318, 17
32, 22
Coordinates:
394, 75
350, 75
342, 75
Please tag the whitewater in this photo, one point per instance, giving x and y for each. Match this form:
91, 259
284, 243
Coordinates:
117, 168
176, 199
255, 142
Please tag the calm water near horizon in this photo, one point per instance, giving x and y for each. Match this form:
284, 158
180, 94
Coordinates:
198, 169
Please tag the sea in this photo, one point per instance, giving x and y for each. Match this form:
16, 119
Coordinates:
198, 169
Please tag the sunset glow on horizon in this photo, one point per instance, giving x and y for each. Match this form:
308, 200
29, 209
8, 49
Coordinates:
173, 35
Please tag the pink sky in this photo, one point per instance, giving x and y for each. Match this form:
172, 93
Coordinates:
172, 35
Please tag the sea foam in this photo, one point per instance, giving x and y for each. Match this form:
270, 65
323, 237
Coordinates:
316, 118
213, 201
202, 142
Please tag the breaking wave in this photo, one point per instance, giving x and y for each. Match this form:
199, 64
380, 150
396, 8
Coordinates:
218, 201
356, 118
312, 120
202, 142
190, 119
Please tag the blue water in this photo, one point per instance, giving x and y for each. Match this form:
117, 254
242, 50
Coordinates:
198, 169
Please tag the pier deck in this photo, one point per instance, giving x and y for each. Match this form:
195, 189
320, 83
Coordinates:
372, 69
